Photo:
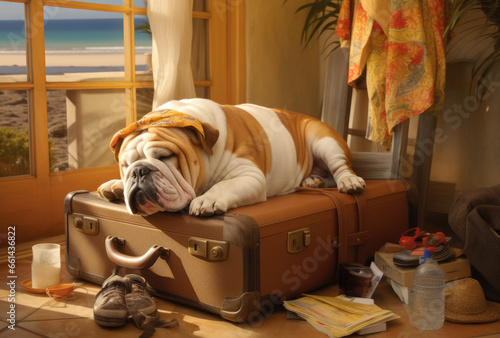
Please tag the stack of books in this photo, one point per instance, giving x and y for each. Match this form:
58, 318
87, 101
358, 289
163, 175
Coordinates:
401, 278
341, 316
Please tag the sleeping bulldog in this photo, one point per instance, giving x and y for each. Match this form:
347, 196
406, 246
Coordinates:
212, 157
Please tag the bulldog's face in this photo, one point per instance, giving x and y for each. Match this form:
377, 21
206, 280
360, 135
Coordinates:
160, 169
151, 176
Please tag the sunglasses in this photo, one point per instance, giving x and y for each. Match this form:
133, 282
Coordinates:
415, 238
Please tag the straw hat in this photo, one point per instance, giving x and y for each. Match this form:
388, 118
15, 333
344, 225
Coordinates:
467, 304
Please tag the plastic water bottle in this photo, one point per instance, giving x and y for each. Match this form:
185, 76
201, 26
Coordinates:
427, 296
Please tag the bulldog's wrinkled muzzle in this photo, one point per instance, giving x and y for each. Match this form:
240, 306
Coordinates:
152, 185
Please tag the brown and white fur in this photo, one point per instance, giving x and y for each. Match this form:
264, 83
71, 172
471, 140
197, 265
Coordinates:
248, 153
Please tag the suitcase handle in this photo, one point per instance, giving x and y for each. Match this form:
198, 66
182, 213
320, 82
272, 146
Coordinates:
113, 245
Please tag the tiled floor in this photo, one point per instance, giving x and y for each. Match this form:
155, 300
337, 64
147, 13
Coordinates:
37, 315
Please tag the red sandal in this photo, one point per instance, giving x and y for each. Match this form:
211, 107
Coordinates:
412, 238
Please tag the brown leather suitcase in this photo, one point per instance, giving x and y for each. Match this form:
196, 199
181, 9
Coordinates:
243, 264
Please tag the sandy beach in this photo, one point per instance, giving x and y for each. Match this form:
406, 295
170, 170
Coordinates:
73, 60
14, 114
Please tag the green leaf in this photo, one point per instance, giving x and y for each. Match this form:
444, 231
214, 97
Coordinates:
487, 59
321, 19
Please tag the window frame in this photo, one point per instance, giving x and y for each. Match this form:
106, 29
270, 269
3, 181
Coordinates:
35, 203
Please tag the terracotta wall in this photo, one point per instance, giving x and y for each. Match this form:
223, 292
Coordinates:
467, 150
281, 73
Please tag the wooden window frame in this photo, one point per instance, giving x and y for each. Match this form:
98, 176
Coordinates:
35, 203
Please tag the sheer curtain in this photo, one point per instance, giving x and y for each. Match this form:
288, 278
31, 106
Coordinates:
172, 30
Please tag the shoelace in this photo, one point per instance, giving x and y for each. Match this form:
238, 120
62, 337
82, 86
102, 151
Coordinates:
141, 320
109, 290
145, 322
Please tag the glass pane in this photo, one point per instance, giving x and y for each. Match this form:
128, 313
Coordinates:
14, 133
12, 43
199, 50
143, 47
198, 5
81, 125
144, 97
105, 2
58, 130
82, 45
140, 3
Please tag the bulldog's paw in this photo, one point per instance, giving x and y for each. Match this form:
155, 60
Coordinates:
351, 184
206, 206
313, 181
111, 190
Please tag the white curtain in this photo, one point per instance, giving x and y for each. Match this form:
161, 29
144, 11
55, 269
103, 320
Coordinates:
172, 29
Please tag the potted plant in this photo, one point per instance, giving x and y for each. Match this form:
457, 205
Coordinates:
485, 28
321, 19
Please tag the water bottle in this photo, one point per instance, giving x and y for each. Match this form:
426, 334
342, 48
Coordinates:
427, 295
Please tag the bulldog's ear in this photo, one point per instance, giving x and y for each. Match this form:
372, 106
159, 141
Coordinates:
211, 137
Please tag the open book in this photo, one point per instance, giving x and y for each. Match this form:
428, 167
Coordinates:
338, 316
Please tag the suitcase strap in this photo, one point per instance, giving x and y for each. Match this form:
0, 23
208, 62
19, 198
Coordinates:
344, 240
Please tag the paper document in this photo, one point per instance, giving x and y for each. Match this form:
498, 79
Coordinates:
338, 316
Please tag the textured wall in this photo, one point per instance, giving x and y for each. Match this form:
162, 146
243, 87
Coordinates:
280, 72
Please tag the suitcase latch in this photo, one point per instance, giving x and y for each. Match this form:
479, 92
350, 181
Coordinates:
208, 249
298, 240
86, 224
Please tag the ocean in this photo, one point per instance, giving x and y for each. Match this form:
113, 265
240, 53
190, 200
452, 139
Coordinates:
76, 36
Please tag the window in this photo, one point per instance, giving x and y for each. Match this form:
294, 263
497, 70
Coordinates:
72, 73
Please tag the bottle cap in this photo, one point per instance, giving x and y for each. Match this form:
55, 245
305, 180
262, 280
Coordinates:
426, 255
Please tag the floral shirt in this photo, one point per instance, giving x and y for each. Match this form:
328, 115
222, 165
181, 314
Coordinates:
401, 45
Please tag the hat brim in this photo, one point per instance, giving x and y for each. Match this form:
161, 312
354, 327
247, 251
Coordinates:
490, 314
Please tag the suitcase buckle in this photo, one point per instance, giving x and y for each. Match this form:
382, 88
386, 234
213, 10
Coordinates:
298, 240
208, 249
86, 224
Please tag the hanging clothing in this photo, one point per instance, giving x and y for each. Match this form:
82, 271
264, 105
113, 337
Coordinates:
401, 46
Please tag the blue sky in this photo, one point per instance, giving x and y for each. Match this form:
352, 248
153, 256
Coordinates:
15, 11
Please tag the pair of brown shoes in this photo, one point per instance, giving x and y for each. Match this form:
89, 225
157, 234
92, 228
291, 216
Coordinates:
122, 298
